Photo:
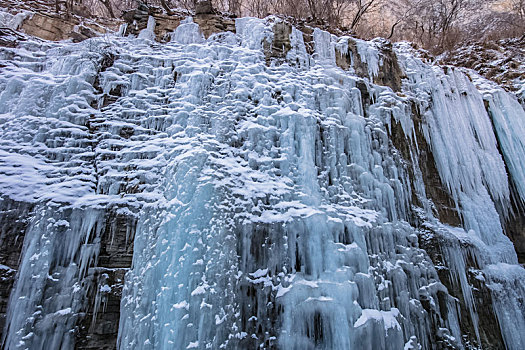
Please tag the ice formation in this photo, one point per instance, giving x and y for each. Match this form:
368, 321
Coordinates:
275, 206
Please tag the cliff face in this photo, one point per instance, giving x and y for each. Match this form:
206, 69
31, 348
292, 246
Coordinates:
263, 187
40, 19
502, 61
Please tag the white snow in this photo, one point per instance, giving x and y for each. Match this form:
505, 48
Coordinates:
387, 318
252, 182
13, 21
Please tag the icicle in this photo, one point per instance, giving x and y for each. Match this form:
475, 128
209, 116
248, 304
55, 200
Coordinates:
122, 29
507, 285
149, 32
47, 298
324, 47
508, 118
253, 32
297, 54
272, 207
369, 54
187, 32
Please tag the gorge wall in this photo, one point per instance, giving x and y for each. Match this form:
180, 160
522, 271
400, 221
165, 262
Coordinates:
246, 183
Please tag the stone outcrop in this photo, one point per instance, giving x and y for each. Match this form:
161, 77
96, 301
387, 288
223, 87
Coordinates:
281, 44
389, 74
10, 38
515, 229
15, 217
40, 19
209, 21
443, 204
53, 27
502, 61
438, 249
137, 19
48, 27
204, 8
98, 327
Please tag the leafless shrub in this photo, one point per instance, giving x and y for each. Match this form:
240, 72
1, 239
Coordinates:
437, 25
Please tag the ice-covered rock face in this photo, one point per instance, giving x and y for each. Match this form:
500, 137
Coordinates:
278, 203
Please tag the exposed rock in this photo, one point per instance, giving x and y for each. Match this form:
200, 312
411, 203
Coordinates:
137, 19
165, 25
390, 74
437, 247
444, 206
53, 27
99, 327
81, 10
343, 59
501, 61
360, 66
10, 38
208, 21
7, 279
14, 219
48, 27
116, 250
83, 33
490, 335
211, 24
515, 229
435, 189
257, 301
204, 8
308, 37
281, 44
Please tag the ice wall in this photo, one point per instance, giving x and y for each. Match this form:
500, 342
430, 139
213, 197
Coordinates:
276, 205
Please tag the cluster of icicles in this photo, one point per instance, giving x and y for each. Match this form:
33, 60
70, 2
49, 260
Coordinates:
273, 209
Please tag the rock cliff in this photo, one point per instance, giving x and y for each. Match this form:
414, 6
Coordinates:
209, 182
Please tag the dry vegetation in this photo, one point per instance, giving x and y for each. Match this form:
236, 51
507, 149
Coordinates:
437, 25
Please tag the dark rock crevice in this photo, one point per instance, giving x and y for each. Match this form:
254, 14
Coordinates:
15, 217
390, 73
488, 328
98, 327
281, 44
443, 204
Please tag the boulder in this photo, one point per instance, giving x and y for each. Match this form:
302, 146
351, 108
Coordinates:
204, 7
10, 38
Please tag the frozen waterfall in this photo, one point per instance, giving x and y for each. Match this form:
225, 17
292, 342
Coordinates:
291, 196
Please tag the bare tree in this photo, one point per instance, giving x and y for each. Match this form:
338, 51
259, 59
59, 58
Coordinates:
166, 7
362, 8
436, 25
107, 5
259, 8
234, 6
67, 4
518, 7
